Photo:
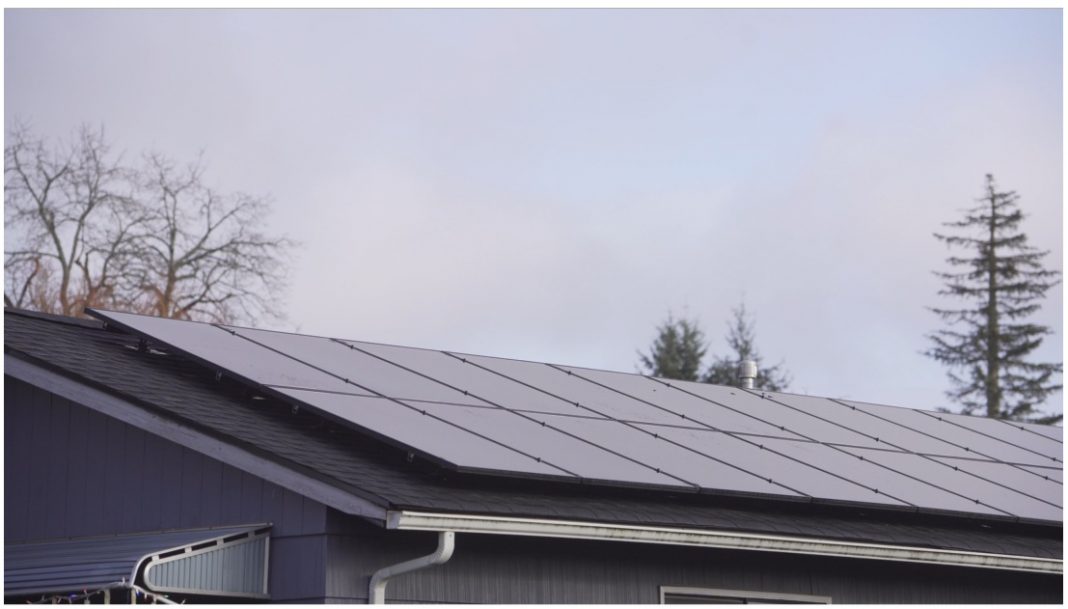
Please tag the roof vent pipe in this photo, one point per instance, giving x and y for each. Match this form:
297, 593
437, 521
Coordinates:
747, 372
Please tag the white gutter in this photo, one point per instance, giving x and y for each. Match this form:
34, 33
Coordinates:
566, 529
376, 593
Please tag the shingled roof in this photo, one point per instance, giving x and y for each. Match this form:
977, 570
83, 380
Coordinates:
172, 386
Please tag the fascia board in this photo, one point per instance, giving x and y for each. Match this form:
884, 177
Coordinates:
707, 538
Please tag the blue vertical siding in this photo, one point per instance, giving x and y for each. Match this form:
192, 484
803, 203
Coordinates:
72, 472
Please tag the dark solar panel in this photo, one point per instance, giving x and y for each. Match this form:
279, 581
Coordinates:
490, 387
777, 414
1052, 432
369, 372
945, 426
916, 492
690, 410
988, 493
766, 463
433, 436
225, 351
656, 450
888, 433
579, 457
490, 415
588, 396
1009, 476
1051, 473
1009, 433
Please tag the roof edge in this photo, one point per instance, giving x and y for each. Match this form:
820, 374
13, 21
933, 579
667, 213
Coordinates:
135, 415
707, 538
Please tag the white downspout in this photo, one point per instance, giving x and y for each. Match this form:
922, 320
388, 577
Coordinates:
376, 594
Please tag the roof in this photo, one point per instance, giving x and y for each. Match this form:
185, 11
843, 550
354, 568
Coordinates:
514, 418
183, 390
74, 565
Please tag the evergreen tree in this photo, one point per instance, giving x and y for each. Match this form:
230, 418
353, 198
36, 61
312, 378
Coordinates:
741, 339
987, 342
677, 351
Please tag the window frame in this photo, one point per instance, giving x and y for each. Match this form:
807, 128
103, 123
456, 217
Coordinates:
769, 597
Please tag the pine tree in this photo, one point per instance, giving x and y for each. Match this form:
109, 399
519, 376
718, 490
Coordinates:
741, 338
987, 343
677, 351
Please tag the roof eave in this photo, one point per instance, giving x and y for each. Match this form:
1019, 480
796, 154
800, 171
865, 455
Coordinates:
707, 538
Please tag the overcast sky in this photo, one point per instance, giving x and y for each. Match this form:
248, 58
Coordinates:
549, 184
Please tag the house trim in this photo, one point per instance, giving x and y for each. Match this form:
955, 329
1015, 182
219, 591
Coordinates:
500, 525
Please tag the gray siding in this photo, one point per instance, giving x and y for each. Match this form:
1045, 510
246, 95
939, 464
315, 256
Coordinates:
497, 569
72, 472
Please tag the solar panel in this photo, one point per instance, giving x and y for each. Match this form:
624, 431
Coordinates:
1052, 432
366, 371
765, 463
484, 415
944, 426
888, 434
1009, 476
1050, 473
1009, 433
692, 411
409, 426
654, 448
487, 386
579, 457
765, 409
974, 488
223, 350
912, 490
588, 396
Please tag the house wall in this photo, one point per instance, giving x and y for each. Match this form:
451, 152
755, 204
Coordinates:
500, 569
70, 472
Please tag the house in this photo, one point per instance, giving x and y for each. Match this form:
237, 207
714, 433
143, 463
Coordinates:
151, 460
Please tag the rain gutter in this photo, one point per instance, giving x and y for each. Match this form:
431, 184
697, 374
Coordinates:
710, 538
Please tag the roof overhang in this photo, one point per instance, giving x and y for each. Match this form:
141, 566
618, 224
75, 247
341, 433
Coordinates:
707, 538
191, 438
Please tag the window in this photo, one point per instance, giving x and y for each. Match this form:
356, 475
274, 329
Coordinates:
677, 595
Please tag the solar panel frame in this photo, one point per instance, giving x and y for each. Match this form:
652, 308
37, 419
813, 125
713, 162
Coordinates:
1052, 473
378, 376
763, 460
487, 386
569, 389
331, 404
1052, 432
224, 345
690, 410
588, 460
978, 489
886, 433
893, 482
673, 457
757, 404
602, 402
1008, 477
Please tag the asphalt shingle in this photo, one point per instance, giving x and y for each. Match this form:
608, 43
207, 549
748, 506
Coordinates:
188, 392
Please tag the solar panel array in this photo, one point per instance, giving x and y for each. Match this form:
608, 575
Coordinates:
506, 417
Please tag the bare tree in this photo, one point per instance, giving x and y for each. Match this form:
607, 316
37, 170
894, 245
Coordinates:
89, 231
204, 254
68, 218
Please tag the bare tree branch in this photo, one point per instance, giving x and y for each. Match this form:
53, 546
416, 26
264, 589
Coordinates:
86, 230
